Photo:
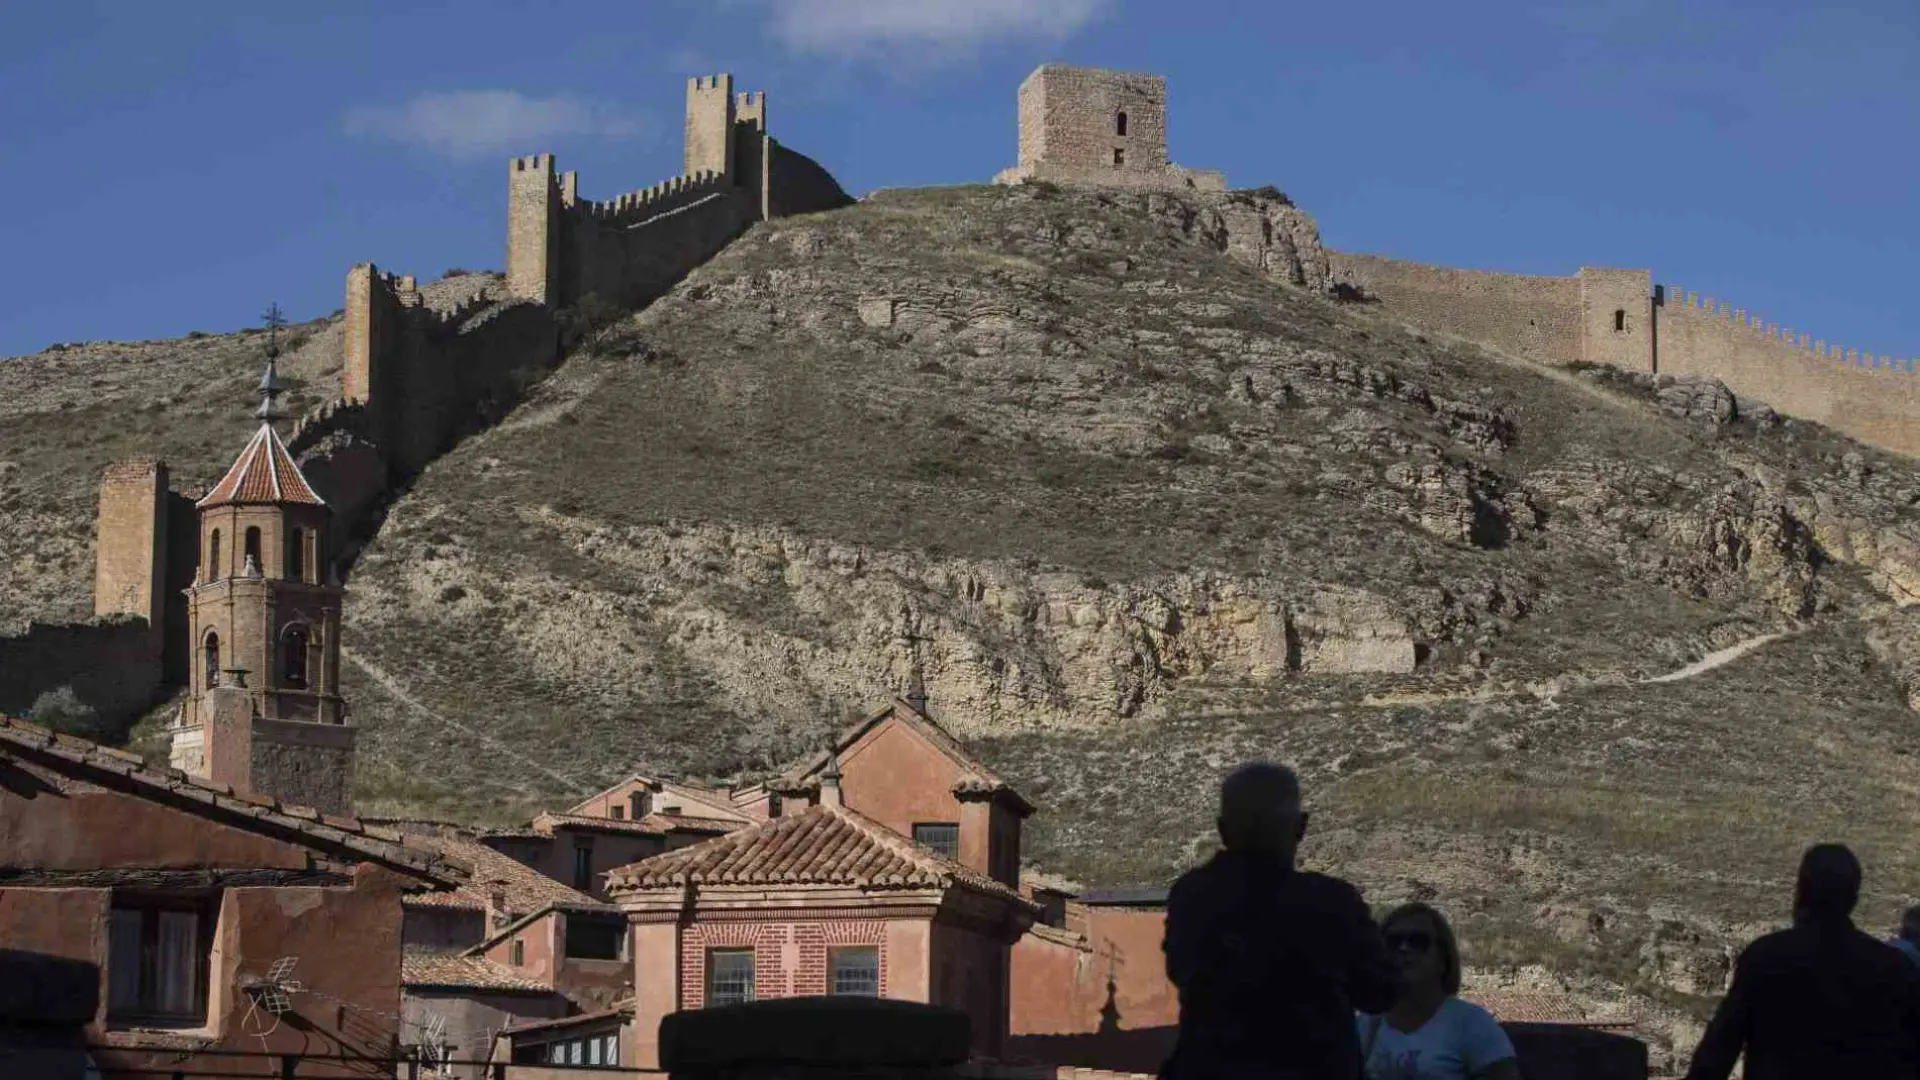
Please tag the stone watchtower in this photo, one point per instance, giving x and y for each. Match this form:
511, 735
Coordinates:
265, 713
1099, 128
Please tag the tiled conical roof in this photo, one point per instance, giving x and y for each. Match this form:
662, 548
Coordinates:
263, 473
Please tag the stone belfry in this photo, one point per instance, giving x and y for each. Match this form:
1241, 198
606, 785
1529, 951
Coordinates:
265, 714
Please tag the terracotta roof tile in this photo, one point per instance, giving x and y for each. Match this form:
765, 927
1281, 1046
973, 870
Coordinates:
73, 756
545, 823
523, 890
684, 823
423, 970
822, 845
1533, 1007
263, 473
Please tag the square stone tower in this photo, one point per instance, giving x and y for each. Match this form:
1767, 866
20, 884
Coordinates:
1100, 128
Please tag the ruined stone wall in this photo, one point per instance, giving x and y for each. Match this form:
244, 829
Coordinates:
1535, 317
310, 764
1874, 399
110, 663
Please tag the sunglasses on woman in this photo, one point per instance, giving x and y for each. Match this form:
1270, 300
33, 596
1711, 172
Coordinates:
1416, 941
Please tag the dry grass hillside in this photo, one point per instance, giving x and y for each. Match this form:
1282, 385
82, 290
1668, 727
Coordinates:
1152, 512
1585, 657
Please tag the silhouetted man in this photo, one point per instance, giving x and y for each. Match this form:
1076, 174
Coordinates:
1270, 961
1820, 1000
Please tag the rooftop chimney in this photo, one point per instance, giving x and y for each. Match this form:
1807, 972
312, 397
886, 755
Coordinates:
830, 782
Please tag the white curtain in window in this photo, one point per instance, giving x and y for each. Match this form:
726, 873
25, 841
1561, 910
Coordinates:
123, 960
556, 1053
573, 1053
176, 961
613, 1049
593, 1051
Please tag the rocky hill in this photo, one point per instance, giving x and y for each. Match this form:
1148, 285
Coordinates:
1585, 657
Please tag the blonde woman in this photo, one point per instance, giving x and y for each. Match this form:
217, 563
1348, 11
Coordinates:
1430, 1033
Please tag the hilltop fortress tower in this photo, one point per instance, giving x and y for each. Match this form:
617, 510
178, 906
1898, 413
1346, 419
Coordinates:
1093, 127
1090, 127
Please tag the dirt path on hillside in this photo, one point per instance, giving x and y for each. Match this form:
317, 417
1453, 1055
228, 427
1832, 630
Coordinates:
399, 693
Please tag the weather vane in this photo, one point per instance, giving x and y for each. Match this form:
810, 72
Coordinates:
270, 385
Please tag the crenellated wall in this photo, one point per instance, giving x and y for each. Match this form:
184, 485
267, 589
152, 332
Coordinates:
1616, 317
1875, 399
419, 373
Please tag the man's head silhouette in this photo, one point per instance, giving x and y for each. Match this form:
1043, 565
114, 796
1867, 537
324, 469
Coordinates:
1260, 810
1828, 885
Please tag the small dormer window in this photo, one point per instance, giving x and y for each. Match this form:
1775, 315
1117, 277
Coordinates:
1120, 123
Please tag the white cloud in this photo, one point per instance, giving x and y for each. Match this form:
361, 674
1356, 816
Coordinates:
469, 123
951, 26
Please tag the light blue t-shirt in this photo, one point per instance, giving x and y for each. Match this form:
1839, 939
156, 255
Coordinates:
1458, 1042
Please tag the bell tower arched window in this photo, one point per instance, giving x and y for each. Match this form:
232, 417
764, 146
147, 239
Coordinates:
1120, 123
296, 554
211, 652
253, 545
293, 657
213, 557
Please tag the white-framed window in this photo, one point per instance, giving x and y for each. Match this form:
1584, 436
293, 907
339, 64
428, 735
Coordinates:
941, 837
854, 970
729, 976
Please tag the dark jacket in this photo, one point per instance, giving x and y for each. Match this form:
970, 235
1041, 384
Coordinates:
1821, 1000
1270, 963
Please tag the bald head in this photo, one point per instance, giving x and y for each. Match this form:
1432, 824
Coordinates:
1260, 809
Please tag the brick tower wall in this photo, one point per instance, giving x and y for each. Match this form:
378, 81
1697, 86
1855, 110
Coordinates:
130, 554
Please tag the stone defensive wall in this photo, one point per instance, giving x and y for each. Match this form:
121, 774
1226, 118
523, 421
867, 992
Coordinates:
1875, 399
1617, 317
423, 368
1527, 316
110, 663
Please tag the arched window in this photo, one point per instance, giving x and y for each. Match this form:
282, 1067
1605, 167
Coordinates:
293, 657
213, 557
253, 544
1120, 123
296, 555
212, 651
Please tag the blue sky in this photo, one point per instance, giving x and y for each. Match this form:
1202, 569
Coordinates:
176, 167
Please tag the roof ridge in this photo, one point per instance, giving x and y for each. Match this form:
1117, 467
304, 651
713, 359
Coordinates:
373, 842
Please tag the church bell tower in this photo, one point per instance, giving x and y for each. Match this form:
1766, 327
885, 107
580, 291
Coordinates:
265, 714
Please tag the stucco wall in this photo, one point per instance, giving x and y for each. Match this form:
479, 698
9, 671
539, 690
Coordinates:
969, 972
1534, 317
352, 993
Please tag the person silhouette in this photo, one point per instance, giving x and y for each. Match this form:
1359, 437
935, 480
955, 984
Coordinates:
1908, 939
1269, 961
1820, 999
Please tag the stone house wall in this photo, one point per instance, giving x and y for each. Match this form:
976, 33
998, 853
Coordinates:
66, 826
